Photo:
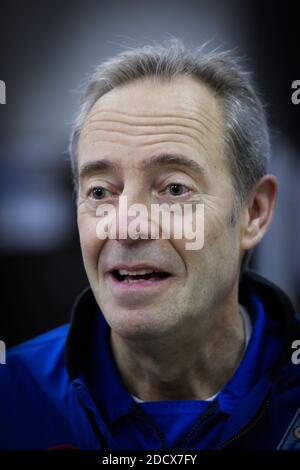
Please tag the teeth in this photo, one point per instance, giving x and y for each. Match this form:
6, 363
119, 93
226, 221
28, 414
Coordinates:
123, 272
129, 280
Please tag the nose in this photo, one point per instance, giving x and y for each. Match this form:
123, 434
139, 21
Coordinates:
133, 220
128, 221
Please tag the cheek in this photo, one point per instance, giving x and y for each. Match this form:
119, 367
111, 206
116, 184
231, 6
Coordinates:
90, 243
220, 248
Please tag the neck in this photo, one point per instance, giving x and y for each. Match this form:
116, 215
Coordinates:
189, 364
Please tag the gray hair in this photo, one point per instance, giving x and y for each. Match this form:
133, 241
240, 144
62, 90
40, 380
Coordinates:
246, 132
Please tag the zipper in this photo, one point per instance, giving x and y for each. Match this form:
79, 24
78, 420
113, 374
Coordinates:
248, 427
209, 413
92, 420
149, 421
199, 424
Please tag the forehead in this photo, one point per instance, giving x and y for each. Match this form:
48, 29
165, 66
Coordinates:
151, 115
181, 92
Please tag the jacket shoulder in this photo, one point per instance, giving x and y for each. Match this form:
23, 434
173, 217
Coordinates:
35, 356
34, 387
32, 352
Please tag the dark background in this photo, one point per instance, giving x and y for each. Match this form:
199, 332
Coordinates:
46, 50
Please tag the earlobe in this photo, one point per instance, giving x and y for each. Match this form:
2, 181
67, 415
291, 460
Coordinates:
249, 233
260, 208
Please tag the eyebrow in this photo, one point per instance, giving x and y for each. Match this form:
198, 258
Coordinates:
171, 159
98, 166
105, 165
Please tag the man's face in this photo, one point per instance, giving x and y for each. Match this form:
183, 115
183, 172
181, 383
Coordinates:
130, 127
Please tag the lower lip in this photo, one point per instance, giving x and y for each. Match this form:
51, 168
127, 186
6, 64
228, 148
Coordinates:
136, 286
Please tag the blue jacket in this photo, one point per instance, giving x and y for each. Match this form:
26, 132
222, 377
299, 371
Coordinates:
46, 399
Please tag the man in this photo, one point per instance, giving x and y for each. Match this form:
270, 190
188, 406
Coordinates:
169, 348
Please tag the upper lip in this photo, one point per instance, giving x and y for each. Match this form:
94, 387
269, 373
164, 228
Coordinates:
136, 267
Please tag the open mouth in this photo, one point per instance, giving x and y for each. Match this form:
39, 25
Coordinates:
139, 276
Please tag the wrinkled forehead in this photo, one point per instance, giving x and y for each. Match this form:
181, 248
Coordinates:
180, 112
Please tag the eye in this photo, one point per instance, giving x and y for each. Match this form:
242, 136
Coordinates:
177, 189
99, 193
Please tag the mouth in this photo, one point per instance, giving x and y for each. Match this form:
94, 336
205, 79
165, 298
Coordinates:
138, 277
124, 276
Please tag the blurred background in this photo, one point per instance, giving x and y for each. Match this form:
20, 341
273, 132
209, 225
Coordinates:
46, 50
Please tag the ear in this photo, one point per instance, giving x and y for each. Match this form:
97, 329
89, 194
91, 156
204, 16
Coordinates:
258, 211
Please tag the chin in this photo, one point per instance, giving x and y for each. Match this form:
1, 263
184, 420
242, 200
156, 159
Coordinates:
135, 325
